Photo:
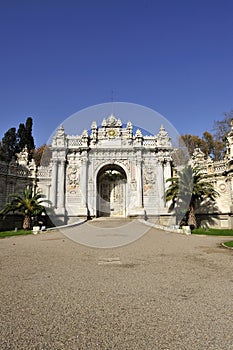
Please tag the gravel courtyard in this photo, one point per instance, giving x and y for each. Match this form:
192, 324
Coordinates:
164, 291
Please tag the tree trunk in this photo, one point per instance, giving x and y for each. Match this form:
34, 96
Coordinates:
192, 217
27, 222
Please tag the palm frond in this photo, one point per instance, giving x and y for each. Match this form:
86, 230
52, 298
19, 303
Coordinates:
190, 188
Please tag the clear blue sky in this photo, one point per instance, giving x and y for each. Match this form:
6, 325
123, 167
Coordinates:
57, 57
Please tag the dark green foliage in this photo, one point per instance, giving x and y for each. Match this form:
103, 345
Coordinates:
14, 142
212, 231
28, 203
21, 137
229, 244
187, 191
4, 234
9, 145
29, 138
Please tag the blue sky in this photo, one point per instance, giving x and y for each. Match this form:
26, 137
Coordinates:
58, 57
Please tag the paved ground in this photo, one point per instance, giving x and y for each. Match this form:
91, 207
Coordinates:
164, 291
107, 233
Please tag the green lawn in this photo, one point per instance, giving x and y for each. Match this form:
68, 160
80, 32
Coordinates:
212, 232
4, 234
229, 244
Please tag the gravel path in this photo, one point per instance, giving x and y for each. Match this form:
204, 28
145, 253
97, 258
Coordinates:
164, 291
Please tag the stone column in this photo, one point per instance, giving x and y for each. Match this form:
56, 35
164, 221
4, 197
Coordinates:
167, 173
160, 185
91, 204
61, 188
83, 181
54, 183
139, 182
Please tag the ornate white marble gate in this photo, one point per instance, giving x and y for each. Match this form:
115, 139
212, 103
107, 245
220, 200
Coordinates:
71, 183
111, 170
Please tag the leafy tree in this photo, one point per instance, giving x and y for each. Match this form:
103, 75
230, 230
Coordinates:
42, 155
222, 127
28, 203
219, 149
29, 138
212, 145
9, 145
187, 191
21, 137
14, 142
25, 138
192, 142
208, 144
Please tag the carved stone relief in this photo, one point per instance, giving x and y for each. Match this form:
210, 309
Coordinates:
149, 179
73, 178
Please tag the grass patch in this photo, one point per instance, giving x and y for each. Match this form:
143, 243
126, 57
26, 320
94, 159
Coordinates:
229, 244
4, 234
212, 232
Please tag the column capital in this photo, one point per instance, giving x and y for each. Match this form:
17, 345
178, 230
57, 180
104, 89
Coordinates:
138, 162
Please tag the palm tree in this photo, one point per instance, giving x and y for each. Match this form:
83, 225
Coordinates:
187, 191
28, 203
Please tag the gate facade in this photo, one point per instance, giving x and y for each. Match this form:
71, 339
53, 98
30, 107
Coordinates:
112, 170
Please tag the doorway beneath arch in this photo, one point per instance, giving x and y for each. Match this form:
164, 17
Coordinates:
111, 191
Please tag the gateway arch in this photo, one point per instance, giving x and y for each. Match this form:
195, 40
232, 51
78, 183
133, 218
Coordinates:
110, 170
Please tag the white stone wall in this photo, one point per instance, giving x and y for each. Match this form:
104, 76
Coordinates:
69, 183
77, 160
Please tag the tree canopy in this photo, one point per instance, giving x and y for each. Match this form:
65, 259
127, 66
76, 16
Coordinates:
187, 191
222, 127
9, 146
14, 142
29, 138
27, 203
42, 155
211, 144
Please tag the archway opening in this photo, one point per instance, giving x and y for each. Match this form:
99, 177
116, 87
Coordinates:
111, 191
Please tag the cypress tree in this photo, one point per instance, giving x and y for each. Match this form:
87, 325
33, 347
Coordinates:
21, 137
29, 138
9, 145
